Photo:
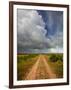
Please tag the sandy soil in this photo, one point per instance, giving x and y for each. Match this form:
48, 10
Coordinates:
40, 70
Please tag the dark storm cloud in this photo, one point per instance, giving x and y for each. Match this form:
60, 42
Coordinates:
38, 31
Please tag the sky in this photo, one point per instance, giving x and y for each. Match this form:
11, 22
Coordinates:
39, 31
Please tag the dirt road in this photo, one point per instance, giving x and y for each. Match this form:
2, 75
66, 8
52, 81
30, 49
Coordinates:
40, 70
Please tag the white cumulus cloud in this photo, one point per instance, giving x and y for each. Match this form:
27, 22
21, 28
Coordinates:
31, 31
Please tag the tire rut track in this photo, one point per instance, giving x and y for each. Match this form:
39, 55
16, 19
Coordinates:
40, 70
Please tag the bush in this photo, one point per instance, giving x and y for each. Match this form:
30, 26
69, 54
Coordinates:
56, 57
53, 58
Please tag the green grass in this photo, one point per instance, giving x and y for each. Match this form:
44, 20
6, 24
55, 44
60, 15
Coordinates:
26, 61
57, 65
24, 64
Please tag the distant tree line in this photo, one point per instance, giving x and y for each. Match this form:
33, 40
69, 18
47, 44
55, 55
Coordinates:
56, 57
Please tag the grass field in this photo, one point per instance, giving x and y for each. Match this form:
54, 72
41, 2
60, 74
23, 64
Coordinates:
56, 63
26, 61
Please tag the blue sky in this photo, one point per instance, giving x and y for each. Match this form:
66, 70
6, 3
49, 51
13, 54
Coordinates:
53, 21
39, 31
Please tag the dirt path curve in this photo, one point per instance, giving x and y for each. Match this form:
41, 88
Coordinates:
40, 67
